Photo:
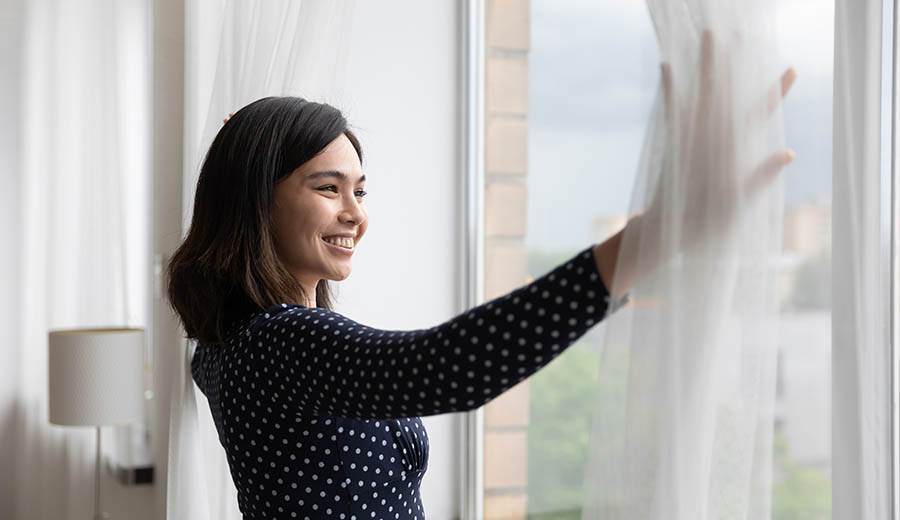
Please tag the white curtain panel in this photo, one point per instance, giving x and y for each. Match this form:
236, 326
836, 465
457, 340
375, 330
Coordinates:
236, 53
687, 432
83, 172
862, 443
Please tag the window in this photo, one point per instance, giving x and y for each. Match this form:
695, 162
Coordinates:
568, 91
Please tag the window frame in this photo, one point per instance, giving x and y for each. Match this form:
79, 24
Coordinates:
472, 93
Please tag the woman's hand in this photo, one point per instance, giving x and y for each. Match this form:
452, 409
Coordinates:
711, 130
702, 171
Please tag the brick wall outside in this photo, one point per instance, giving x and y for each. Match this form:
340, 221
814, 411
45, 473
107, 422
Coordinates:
506, 165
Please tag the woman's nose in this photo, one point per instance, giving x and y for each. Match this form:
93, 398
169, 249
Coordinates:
352, 211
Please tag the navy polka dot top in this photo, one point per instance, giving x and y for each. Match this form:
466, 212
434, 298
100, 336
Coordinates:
320, 415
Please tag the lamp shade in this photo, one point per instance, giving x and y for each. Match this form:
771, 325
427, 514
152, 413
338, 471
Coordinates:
95, 376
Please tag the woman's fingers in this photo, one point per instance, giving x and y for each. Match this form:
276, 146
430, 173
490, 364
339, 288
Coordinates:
780, 90
711, 79
760, 111
668, 95
769, 169
707, 56
787, 80
766, 172
706, 75
707, 69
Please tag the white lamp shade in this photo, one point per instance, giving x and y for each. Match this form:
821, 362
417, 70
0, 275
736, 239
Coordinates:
96, 376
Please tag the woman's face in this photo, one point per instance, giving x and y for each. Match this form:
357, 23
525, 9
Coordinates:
322, 198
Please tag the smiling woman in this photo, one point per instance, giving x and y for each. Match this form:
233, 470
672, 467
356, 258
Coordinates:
264, 202
319, 217
320, 416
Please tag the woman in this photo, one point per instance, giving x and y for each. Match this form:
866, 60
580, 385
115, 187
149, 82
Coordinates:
319, 415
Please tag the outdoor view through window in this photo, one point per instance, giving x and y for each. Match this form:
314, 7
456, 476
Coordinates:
591, 69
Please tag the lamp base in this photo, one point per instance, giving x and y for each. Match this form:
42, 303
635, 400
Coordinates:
98, 514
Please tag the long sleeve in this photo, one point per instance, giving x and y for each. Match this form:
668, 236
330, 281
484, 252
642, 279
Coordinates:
316, 361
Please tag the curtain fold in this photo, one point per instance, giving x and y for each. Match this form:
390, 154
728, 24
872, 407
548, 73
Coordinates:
237, 52
862, 403
687, 431
82, 172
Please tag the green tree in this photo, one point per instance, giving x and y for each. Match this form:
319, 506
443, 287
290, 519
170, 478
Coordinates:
800, 493
558, 433
563, 397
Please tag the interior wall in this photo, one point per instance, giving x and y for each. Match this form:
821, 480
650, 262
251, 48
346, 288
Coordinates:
402, 99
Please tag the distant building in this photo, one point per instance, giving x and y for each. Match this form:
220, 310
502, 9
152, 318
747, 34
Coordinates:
807, 228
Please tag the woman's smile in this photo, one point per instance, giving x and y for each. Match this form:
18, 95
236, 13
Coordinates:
339, 249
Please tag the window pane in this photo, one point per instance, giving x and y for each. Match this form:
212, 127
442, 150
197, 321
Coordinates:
586, 72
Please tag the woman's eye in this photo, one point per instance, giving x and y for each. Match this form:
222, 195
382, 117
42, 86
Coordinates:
332, 187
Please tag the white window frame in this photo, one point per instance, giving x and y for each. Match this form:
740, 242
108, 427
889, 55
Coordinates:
472, 50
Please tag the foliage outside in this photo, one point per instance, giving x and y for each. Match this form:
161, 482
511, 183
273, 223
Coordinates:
563, 398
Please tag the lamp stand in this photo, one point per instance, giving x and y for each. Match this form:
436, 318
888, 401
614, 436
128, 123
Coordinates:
98, 514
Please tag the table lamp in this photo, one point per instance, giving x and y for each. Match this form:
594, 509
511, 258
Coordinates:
95, 379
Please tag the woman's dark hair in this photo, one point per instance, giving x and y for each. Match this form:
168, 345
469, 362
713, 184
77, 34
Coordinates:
227, 267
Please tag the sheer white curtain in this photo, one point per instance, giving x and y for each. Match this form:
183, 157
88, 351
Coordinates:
80, 169
688, 434
863, 441
237, 52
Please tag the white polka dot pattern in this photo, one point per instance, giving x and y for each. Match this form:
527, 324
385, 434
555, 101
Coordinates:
320, 415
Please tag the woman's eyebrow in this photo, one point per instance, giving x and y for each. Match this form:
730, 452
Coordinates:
333, 173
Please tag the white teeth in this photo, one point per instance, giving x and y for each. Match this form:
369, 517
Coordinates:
346, 243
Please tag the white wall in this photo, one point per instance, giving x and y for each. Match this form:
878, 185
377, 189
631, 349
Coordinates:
402, 98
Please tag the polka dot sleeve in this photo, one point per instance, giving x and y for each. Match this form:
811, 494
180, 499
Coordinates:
319, 362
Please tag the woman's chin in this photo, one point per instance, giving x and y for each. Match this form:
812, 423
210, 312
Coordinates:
339, 275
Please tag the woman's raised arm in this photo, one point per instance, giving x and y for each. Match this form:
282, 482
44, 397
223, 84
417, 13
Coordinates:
316, 361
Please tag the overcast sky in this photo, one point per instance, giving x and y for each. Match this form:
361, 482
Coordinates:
593, 71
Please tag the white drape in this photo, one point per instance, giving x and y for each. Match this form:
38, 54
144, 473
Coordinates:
237, 52
688, 432
689, 435
863, 405
82, 172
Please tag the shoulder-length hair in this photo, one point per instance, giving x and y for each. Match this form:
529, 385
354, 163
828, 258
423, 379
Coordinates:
227, 267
